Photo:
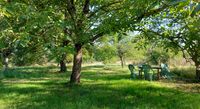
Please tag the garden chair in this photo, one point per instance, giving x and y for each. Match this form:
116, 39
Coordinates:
165, 72
146, 70
148, 75
132, 70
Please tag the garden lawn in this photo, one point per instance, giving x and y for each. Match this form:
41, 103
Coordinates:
102, 87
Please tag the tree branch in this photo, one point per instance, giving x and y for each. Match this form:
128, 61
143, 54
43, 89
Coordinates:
102, 8
96, 37
171, 39
152, 12
86, 7
71, 8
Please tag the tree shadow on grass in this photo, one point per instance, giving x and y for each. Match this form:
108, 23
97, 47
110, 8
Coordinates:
30, 72
134, 94
96, 67
99, 90
99, 73
35, 68
104, 76
89, 72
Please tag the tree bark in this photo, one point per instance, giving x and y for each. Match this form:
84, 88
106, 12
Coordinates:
198, 73
4, 62
77, 62
122, 61
63, 67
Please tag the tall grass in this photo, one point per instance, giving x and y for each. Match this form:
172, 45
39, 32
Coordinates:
187, 72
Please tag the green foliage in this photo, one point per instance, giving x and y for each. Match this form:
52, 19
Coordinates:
88, 55
106, 54
28, 56
187, 73
55, 51
177, 31
158, 55
195, 9
146, 50
1, 65
34, 30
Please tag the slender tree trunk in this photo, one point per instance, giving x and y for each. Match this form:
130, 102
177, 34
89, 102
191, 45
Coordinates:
63, 67
198, 72
122, 61
77, 62
4, 62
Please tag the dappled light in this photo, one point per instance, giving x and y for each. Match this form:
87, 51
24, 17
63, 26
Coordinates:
101, 87
99, 54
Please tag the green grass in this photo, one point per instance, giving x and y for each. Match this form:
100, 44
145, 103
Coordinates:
101, 88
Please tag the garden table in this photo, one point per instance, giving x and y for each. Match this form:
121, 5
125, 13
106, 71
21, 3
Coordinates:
158, 68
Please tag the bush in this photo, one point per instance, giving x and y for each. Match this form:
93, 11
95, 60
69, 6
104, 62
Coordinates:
184, 72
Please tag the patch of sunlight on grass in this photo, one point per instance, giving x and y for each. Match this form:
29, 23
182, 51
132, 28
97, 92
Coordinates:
28, 86
102, 87
3, 104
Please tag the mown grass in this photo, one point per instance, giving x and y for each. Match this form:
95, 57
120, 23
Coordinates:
101, 88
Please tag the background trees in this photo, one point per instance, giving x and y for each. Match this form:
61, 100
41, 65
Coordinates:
89, 20
178, 29
58, 28
12, 22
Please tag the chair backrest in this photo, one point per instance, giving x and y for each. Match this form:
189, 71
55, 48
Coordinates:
131, 68
146, 68
164, 69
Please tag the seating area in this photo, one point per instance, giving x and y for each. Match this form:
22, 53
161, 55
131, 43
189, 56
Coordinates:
148, 72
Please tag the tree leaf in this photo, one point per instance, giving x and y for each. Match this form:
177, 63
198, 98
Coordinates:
196, 10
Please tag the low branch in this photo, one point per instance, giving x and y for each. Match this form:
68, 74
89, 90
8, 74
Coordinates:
152, 12
171, 39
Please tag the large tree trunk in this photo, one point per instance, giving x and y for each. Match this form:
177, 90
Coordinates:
198, 72
63, 67
77, 62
